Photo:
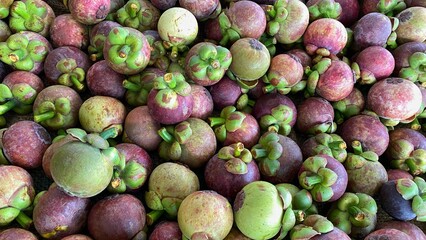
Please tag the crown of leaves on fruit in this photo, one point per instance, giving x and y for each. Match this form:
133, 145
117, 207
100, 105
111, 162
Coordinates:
236, 156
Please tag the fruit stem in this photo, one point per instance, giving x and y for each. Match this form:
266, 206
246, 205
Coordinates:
356, 145
214, 121
165, 135
7, 106
239, 147
131, 86
312, 180
357, 213
24, 220
77, 84
44, 116
111, 132
153, 216
259, 153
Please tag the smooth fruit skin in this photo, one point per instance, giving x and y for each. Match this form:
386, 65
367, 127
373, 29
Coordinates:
80, 169
258, 210
205, 214
17, 233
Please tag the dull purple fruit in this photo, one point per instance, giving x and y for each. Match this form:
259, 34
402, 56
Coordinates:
89, 12
103, 80
66, 31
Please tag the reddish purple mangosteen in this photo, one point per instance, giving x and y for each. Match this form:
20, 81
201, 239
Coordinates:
103, 80
315, 115
325, 36
225, 93
66, 31
372, 64
368, 130
410, 60
202, 9
373, 29
89, 12
394, 100
332, 80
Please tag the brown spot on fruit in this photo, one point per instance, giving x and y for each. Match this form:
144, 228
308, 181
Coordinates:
394, 80
405, 16
239, 200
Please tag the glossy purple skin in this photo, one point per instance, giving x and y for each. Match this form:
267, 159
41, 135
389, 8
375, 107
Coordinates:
372, 29
24, 144
163, 4
248, 133
56, 208
5, 31
88, 11
212, 29
140, 128
378, 60
404, 51
350, 12
394, 204
381, 99
414, 137
56, 55
20, 77
66, 31
119, 217
325, 33
103, 80
256, 92
395, 174
202, 9
387, 234
225, 183
170, 116
407, 227
166, 230
313, 111
336, 82
133, 152
339, 187
333, 235
203, 102
414, 3
290, 162
4, 70
17, 233
267, 102
248, 18
225, 93
372, 134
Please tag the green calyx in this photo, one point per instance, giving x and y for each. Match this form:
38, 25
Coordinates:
391, 41
136, 14
326, 127
14, 211
390, 7
236, 156
210, 62
267, 152
19, 99
325, 9
406, 158
4, 8
169, 87
53, 113
174, 48
274, 81
27, 16
22, 53
229, 34
138, 87
414, 190
332, 145
345, 109
96, 47
270, 43
127, 175
276, 15
99, 140
125, 48
359, 158
314, 75
173, 138
230, 120
72, 75
363, 76
317, 178
159, 53
161, 205
312, 226
353, 209
279, 120
416, 72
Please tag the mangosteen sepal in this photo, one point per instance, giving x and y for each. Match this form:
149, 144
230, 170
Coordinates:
275, 14
364, 76
72, 75
26, 16
391, 41
416, 71
312, 226
325, 9
53, 113
135, 16
390, 8
236, 156
267, 152
314, 75
211, 62
8, 214
229, 34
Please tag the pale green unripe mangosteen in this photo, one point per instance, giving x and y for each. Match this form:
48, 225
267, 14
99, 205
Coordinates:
258, 210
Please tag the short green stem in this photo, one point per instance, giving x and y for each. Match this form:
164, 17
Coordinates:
77, 84
239, 147
215, 121
109, 133
44, 116
124, 51
259, 153
24, 220
357, 213
7, 106
165, 135
131, 86
312, 180
153, 216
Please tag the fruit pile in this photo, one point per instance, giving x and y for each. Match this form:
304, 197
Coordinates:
208, 119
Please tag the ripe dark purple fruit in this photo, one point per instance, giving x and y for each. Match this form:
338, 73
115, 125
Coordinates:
66, 31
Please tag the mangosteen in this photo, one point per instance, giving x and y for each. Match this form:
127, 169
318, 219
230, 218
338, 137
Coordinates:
315, 115
313, 225
202, 9
17, 233
411, 26
351, 105
191, 142
197, 221
330, 144
103, 80
89, 12
97, 37
138, 14
166, 230
203, 102
66, 31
